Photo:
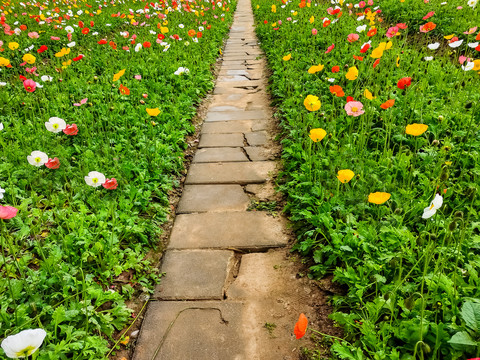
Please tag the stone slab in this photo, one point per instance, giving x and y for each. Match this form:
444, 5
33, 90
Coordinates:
257, 153
253, 230
225, 108
222, 127
194, 274
235, 115
212, 198
235, 90
223, 78
257, 138
230, 173
221, 140
225, 154
187, 330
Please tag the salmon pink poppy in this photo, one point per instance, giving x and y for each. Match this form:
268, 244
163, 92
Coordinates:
404, 82
7, 212
110, 184
29, 85
53, 163
71, 130
352, 37
354, 108
391, 32
314, 31
301, 326
427, 27
429, 15
388, 104
330, 48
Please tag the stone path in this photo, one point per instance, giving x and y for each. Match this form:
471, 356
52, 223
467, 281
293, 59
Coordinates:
229, 291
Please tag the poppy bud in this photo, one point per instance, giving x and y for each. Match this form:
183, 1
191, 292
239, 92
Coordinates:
142, 102
440, 118
452, 226
444, 175
458, 215
435, 142
112, 108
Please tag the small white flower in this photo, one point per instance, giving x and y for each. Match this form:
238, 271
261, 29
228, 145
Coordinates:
46, 78
55, 124
195, 40
455, 44
2, 191
69, 30
153, 32
472, 3
332, 80
434, 206
1, 126
95, 178
361, 28
138, 47
360, 18
433, 46
79, 12
71, 44
37, 158
181, 70
428, 58
181, 26
23, 344
39, 85
201, 28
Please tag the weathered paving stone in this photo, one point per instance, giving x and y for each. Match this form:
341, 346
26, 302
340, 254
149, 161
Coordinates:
230, 173
194, 274
213, 198
232, 78
225, 108
222, 127
235, 115
221, 140
214, 155
187, 330
242, 230
257, 153
257, 138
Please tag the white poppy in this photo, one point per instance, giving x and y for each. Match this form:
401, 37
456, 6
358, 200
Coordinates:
468, 66
46, 78
138, 47
181, 70
39, 85
433, 46
472, 3
1, 126
55, 124
69, 30
71, 44
2, 191
455, 44
37, 158
360, 18
95, 178
473, 45
434, 206
3, 84
361, 28
23, 344
181, 26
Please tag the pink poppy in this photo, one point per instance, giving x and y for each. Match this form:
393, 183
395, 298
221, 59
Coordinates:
71, 129
83, 101
429, 15
391, 32
471, 31
138, 77
330, 48
29, 85
110, 184
33, 35
53, 163
54, 38
362, 4
402, 26
354, 108
353, 37
314, 31
7, 212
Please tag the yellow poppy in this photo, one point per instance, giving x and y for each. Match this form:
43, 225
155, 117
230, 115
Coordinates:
352, 73
345, 175
368, 95
416, 129
118, 75
312, 19
274, 9
29, 58
4, 62
153, 112
287, 57
13, 45
315, 68
476, 65
312, 103
448, 37
317, 134
62, 52
378, 197
164, 29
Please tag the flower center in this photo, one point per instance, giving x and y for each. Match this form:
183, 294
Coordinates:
431, 207
354, 109
95, 180
37, 159
27, 351
55, 126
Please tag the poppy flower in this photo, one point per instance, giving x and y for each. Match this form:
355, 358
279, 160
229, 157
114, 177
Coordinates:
42, 49
349, 98
352, 73
113, 45
29, 85
161, 36
425, 28
378, 197
404, 82
80, 24
372, 32
344, 176
124, 90
53, 163
23, 27
335, 69
359, 58
85, 31
95, 179
436, 203
102, 42
365, 48
71, 130
388, 104
23, 344
312, 103
300, 326
110, 184
191, 33
55, 124
199, 34
287, 57
153, 112
147, 44
416, 129
118, 75
352, 37
368, 94
337, 90
315, 68
7, 212
326, 22
37, 158
392, 31
330, 48
354, 108
402, 26
429, 15
78, 58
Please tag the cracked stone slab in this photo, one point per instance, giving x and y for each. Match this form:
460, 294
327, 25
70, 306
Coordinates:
225, 108
249, 230
194, 274
186, 330
212, 198
257, 153
222, 127
257, 138
224, 154
221, 140
235, 115
230, 173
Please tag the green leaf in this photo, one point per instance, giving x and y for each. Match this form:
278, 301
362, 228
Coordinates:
462, 341
342, 351
471, 315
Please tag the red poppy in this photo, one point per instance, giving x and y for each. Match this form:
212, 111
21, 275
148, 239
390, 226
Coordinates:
124, 90
330, 48
359, 58
23, 27
302, 4
335, 69
301, 326
23, 78
42, 49
388, 104
79, 57
477, 37
326, 23
147, 44
191, 33
85, 31
349, 98
199, 34
371, 32
404, 82
53, 163
375, 64
429, 15
81, 24
71, 130
337, 90
113, 45
160, 36
176, 37
110, 184
265, 22
209, 27
102, 42
91, 24
365, 48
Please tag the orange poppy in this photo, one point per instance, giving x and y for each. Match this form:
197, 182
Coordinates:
371, 32
388, 104
359, 58
124, 90
428, 27
375, 64
191, 32
301, 326
337, 90
85, 31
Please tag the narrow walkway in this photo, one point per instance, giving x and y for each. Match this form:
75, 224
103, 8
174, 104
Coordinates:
229, 291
